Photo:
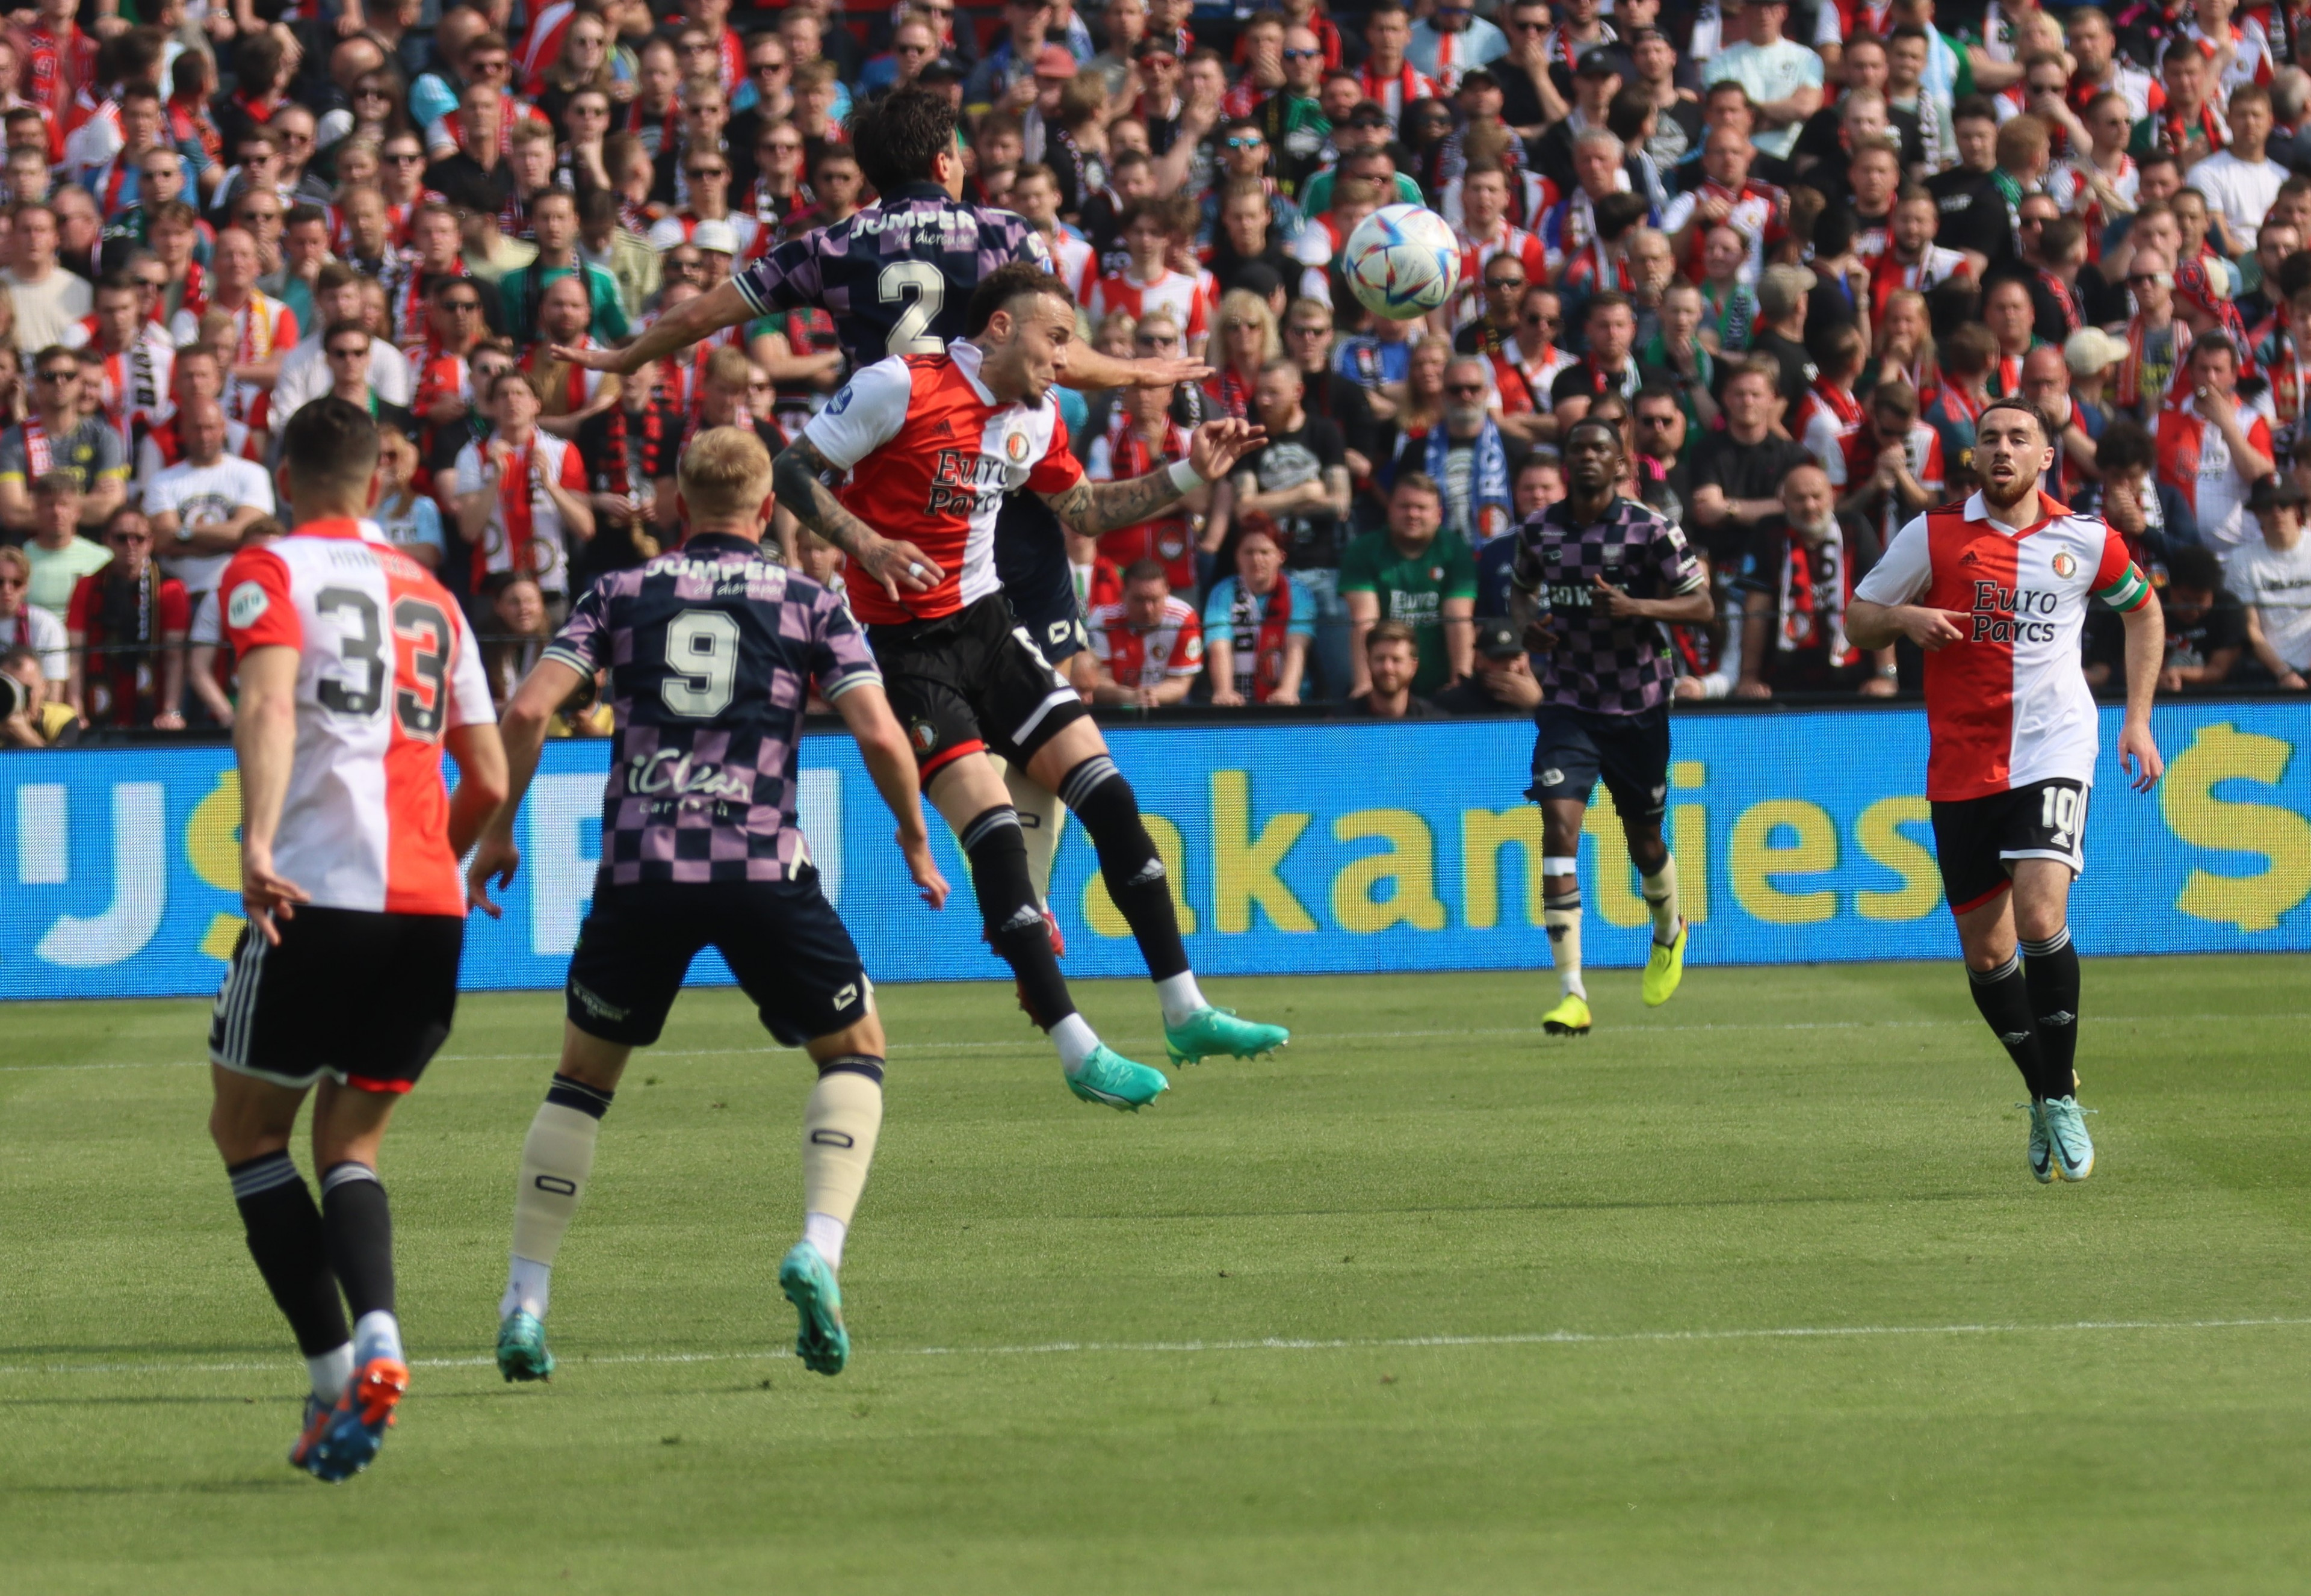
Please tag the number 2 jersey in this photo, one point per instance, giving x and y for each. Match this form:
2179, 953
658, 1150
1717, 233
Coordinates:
387, 667
711, 652
897, 277
2007, 704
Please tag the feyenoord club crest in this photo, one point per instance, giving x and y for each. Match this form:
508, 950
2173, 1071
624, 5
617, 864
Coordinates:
925, 735
1015, 446
2065, 564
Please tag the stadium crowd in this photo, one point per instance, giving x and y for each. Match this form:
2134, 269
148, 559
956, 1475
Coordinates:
1794, 251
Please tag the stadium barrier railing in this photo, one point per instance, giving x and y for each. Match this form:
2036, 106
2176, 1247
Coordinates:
1294, 847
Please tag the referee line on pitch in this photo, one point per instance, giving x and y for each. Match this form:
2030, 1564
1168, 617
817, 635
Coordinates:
1340, 1037
1559, 1338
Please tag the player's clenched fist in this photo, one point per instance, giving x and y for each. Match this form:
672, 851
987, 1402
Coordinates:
1218, 445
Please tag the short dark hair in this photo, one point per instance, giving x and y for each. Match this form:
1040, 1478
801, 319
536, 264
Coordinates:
899, 138
328, 442
2013, 403
337, 329
1610, 298
118, 281
1146, 570
1391, 632
2195, 565
1593, 420
1008, 283
2124, 445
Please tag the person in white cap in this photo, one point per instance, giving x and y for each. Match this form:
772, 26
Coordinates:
2093, 356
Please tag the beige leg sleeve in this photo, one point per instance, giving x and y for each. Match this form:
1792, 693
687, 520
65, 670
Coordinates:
838, 1125
555, 1161
1041, 816
1661, 899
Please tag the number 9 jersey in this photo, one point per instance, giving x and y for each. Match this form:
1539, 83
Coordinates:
387, 667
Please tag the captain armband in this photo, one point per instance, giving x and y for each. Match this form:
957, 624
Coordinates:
2129, 593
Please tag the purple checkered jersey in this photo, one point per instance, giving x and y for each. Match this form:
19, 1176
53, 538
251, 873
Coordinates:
898, 276
711, 651
1606, 666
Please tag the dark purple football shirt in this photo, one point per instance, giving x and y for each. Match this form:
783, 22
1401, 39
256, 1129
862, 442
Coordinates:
898, 276
711, 651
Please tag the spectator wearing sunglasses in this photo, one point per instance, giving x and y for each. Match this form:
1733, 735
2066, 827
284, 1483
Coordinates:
1293, 118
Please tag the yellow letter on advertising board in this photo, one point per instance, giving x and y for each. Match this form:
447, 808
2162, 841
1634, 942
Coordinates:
1879, 832
1689, 840
1483, 832
1410, 863
213, 849
1755, 860
1099, 909
1243, 871
2223, 753
1613, 884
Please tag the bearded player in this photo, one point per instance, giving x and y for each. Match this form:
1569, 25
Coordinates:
1996, 591
898, 278
934, 443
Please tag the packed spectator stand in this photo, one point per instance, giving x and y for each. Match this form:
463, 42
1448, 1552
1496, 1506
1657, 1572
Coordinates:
1793, 250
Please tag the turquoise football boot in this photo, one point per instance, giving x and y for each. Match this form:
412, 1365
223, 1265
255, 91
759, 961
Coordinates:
521, 1347
1210, 1031
1108, 1076
821, 1342
2066, 1134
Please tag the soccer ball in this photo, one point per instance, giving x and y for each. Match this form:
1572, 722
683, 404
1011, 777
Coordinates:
1403, 262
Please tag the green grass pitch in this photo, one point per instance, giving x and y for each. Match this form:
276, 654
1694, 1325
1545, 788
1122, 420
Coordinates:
1749, 1293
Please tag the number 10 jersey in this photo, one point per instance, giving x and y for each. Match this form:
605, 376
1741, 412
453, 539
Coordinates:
386, 665
711, 652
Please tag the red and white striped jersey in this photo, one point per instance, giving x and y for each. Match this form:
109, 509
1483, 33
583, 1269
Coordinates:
1077, 264
1857, 461
386, 665
1826, 418
1173, 291
2008, 704
541, 47
1173, 647
944, 452
1476, 253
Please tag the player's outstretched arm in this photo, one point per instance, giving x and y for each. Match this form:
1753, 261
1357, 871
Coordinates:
899, 566
265, 747
1089, 370
2146, 653
883, 744
521, 733
679, 329
1093, 508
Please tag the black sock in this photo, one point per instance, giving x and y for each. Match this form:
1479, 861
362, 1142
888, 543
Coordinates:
997, 853
2003, 996
2051, 970
1128, 862
573, 1093
285, 1237
360, 1228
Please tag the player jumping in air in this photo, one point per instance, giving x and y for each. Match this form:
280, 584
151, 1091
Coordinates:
1996, 591
355, 668
932, 444
711, 654
1595, 578
898, 277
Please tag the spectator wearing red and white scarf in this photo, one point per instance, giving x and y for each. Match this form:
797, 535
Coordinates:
1151, 646
521, 497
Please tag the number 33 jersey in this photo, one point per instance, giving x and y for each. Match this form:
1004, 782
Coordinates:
387, 667
711, 652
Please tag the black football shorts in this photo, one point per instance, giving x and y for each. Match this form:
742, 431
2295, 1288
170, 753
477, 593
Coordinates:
1630, 752
1977, 840
366, 997
973, 681
1030, 560
783, 940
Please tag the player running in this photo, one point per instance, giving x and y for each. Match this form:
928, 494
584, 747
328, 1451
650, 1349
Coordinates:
933, 443
898, 277
712, 653
1595, 578
1995, 592
356, 669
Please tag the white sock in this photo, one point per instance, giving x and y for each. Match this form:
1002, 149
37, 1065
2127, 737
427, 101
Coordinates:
331, 1371
1075, 1039
825, 1232
376, 1334
529, 1283
1180, 997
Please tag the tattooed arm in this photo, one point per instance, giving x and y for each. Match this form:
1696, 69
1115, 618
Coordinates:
898, 566
1093, 508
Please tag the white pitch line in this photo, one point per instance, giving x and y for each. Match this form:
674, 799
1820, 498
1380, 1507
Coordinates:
1272, 1344
1349, 1036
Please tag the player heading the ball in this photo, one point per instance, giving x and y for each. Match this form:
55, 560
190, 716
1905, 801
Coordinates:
711, 652
931, 445
356, 669
1996, 591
